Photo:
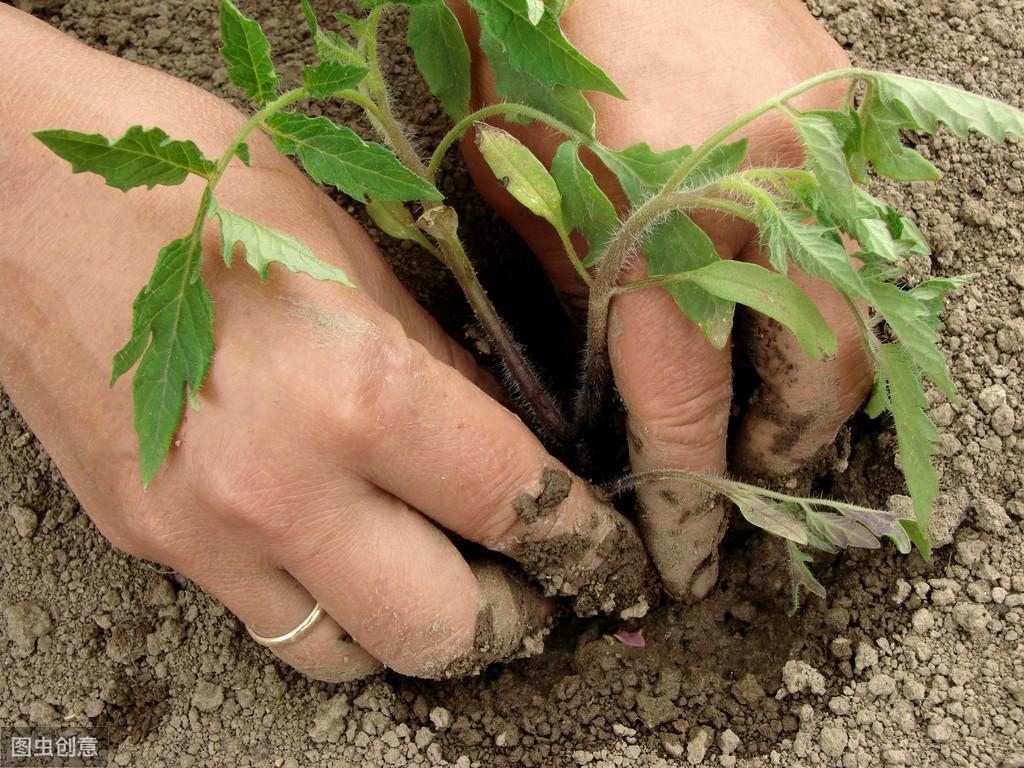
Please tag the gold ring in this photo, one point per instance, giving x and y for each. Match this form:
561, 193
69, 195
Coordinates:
294, 635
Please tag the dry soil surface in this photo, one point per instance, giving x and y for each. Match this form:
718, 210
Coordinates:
907, 663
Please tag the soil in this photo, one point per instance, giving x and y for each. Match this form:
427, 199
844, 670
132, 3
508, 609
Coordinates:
906, 662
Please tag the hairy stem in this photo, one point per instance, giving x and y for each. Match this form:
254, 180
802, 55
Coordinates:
595, 366
450, 250
519, 110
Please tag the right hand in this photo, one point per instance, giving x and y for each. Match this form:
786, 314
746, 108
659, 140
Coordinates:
341, 432
701, 65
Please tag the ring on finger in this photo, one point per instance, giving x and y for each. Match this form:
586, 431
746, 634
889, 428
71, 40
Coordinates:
292, 636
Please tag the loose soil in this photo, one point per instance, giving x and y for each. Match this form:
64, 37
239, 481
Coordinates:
907, 663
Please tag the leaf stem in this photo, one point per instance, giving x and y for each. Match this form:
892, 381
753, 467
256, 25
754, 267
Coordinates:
520, 110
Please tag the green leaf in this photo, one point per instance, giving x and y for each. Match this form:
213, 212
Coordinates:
813, 248
914, 325
560, 101
722, 161
140, 157
800, 575
265, 246
336, 155
585, 207
172, 333
916, 436
330, 46
677, 245
521, 173
932, 294
442, 56
826, 159
770, 294
640, 170
394, 219
881, 143
242, 153
246, 50
327, 78
926, 105
540, 49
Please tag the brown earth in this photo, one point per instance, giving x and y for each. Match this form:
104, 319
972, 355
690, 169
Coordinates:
906, 663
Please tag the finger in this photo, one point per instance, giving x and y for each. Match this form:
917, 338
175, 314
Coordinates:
435, 433
273, 603
405, 593
677, 390
281, 200
801, 403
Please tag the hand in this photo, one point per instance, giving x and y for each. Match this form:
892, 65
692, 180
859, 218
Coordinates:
340, 433
688, 68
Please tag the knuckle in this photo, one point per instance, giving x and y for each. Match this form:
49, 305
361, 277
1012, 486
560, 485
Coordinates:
255, 496
373, 391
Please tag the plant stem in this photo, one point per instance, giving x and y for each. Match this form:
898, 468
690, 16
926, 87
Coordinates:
285, 100
594, 374
453, 255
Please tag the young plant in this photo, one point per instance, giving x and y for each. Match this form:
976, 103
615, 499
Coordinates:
802, 215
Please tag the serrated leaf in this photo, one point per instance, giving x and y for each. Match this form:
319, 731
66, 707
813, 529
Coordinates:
141, 157
242, 153
880, 523
813, 248
800, 575
916, 436
878, 403
442, 56
264, 246
540, 49
560, 101
932, 294
585, 207
882, 146
841, 531
521, 173
336, 155
677, 245
330, 46
640, 170
247, 51
826, 159
926, 105
328, 77
172, 333
773, 295
914, 326
770, 516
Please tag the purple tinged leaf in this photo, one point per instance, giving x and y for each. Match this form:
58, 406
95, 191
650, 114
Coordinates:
632, 639
772, 517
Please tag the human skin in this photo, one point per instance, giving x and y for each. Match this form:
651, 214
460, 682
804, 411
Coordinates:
330, 472
702, 65
340, 430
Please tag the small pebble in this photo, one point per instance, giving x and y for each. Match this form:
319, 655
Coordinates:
25, 520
